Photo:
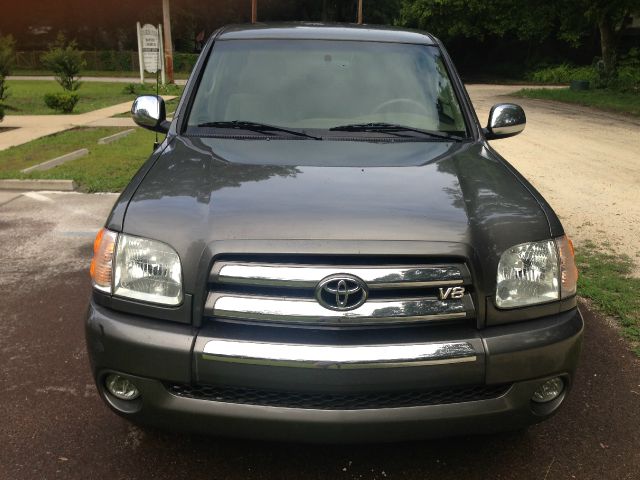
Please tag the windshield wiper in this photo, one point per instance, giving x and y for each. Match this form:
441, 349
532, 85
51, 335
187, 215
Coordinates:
394, 129
257, 127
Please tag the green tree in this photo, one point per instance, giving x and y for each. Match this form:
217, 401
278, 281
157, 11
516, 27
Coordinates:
480, 18
569, 20
7, 56
608, 16
65, 61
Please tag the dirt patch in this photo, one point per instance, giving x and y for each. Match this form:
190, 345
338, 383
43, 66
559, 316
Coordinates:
583, 161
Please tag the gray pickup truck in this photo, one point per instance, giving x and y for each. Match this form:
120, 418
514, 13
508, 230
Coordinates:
326, 248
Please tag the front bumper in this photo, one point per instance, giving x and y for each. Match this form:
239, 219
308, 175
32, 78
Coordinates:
157, 353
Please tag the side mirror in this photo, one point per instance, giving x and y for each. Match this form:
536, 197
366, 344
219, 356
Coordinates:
149, 112
505, 120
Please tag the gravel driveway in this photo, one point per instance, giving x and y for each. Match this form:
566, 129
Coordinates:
586, 163
55, 426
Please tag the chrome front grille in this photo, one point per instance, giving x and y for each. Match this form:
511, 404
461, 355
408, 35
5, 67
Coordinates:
280, 292
299, 276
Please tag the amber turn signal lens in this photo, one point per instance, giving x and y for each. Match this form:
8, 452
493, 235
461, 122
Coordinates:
568, 269
102, 263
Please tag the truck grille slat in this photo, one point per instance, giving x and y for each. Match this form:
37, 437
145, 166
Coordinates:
304, 311
252, 291
299, 276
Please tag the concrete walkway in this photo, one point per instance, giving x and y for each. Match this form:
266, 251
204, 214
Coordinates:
31, 127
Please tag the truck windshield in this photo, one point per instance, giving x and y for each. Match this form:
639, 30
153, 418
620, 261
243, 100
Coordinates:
324, 85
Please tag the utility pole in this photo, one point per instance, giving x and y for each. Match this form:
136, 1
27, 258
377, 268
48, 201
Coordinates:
254, 11
359, 12
168, 44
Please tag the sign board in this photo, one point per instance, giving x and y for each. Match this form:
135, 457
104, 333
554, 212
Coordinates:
150, 48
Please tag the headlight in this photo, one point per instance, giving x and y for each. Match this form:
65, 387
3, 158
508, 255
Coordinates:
141, 269
528, 274
536, 272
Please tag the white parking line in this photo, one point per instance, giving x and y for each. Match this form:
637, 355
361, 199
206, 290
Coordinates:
37, 196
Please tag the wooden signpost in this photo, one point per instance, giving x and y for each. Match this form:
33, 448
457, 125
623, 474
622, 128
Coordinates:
149, 50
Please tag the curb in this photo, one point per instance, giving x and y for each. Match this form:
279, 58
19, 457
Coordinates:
30, 185
115, 136
57, 161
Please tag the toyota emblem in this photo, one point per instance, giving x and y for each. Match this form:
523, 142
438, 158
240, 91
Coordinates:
341, 292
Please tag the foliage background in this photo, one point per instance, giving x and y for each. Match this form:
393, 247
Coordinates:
506, 38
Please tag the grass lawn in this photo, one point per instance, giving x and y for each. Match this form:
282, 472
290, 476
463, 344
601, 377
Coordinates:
604, 278
26, 97
610, 100
107, 168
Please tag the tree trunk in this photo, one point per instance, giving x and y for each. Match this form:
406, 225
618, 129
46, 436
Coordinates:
608, 46
325, 15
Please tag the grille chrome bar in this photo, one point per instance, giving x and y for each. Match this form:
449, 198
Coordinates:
307, 276
338, 356
308, 311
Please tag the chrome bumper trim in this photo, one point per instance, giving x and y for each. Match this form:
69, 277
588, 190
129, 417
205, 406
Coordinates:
307, 311
308, 276
338, 356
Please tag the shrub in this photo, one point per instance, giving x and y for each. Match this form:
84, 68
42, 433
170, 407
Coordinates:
629, 71
626, 80
184, 62
150, 89
7, 45
64, 102
563, 74
130, 88
66, 61
112, 60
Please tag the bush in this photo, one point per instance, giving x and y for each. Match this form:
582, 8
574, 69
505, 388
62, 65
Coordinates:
64, 102
150, 89
627, 79
130, 89
563, 74
629, 71
184, 62
112, 60
65, 61
7, 45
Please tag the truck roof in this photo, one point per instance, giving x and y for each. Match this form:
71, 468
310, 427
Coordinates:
324, 31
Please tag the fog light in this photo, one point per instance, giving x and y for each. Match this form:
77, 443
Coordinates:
121, 387
549, 390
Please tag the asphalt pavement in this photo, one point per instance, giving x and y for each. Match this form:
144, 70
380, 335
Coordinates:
55, 426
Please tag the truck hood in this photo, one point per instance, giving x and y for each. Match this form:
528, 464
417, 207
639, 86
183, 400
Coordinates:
206, 189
